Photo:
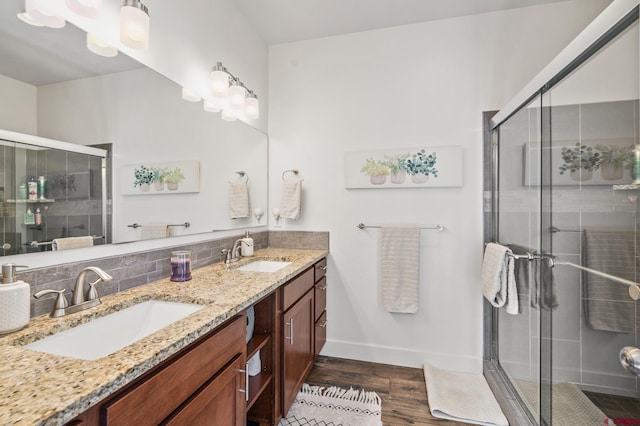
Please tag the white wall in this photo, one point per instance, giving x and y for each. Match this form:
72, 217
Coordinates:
17, 106
405, 86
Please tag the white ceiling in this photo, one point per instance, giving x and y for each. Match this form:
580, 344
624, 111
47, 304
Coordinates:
283, 21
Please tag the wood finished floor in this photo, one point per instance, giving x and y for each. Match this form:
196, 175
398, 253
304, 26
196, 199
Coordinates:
402, 389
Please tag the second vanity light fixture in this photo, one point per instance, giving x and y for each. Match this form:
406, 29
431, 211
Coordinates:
134, 21
226, 85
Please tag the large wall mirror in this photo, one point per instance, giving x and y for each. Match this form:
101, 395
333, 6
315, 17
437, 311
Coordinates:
53, 87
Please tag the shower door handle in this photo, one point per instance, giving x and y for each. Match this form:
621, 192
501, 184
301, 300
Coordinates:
630, 359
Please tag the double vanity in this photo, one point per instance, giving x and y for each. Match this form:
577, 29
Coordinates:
174, 352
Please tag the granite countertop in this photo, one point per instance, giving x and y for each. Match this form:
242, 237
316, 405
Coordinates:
43, 389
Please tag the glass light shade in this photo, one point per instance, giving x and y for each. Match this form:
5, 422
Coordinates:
134, 27
38, 11
237, 96
99, 47
87, 8
190, 95
219, 84
24, 17
252, 107
226, 116
210, 106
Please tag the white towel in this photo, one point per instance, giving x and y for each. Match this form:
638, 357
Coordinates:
72, 242
291, 199
498, 278
153, 230
238, 199
399, 268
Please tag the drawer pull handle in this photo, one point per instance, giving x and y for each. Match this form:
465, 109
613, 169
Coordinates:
322, 268
290, 338
324, 324
245, 391
323, 287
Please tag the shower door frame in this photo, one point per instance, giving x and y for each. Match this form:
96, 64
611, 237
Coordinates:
617, 17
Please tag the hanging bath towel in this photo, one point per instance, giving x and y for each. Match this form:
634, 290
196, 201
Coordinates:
151, 231
72, 242
238, 199
291, 200
400, 268
498, 278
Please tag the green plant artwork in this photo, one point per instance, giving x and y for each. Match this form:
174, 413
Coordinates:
174, 176
616, 156
422, 163
396, 163
143, 176
581, 157
373, 167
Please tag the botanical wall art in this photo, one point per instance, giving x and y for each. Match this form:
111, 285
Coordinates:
161, 178
417, 167
589, 163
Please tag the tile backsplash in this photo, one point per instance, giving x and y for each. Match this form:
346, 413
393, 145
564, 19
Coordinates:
136, 269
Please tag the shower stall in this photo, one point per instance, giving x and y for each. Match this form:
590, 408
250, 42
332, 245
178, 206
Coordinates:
560, 192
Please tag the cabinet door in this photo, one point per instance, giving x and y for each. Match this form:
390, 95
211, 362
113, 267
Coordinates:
221, 402
297, 350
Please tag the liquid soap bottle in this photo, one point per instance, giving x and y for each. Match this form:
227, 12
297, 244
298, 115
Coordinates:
246, 245
15, 307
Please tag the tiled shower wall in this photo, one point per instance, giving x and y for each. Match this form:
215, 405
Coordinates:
141, 268
580, 354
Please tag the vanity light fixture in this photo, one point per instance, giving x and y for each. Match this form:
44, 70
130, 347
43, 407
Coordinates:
88, 8
190, 95
134, 24
99, 47
227, 116
224, 84
38, 11
210, 106
252, 108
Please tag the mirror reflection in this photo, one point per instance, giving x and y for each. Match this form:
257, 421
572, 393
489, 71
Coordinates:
54, 87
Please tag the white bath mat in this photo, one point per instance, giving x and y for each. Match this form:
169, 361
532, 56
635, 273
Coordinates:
464, 397
315, 405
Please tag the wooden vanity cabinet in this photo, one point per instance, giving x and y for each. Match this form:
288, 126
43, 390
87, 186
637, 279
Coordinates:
202, 384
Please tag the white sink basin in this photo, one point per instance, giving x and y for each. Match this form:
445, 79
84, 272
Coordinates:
105, 335
263, 266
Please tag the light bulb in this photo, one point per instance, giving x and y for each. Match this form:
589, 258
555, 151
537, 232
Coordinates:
99, 47
237, 95
252, 108
219, 83
134, 25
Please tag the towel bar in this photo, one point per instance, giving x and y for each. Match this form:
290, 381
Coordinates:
35, 244
438, 228
243, 174
137, 225
294, 171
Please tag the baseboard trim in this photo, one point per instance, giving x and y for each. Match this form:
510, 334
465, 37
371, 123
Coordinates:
401, 356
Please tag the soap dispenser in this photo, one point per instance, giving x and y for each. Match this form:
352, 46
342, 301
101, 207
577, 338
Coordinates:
247, 245
15, 307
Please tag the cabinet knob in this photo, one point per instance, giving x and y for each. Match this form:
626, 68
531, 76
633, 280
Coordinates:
324, 324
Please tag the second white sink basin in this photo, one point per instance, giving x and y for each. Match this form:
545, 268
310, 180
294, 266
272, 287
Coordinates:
264, 266
106, 335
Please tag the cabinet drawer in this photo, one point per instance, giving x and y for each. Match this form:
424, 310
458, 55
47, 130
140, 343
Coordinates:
321, 334
320, 297
296, 288
151, 401
320, 269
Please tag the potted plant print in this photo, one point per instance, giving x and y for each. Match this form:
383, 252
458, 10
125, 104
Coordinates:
421, 165
159, 175
173, 178
613, 160
144, 176
397, 165
377, 171
580, 161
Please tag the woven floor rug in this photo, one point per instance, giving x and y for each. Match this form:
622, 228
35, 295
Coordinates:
334, 406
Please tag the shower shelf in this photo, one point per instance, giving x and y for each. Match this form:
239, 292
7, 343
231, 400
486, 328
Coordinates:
626, 187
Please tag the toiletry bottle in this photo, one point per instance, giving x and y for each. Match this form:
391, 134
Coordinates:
23, 193
38, 217
14, 300
42, 182
246, 245
635, 165
32, 188
29, 218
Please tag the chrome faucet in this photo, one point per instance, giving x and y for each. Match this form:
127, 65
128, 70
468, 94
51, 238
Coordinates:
79, 302
233, 255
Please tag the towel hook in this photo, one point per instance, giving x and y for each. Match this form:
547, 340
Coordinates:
294, 171
243, 174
